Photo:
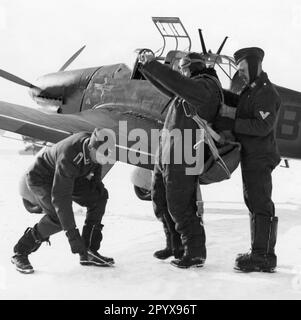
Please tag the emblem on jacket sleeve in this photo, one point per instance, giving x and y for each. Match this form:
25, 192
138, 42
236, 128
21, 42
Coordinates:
264, 115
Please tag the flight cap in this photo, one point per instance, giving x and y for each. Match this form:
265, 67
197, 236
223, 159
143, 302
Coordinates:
244, 53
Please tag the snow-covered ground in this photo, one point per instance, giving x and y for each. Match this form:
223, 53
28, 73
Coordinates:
132, 234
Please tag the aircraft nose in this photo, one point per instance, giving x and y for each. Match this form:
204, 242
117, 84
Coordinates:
47, 100
34, 92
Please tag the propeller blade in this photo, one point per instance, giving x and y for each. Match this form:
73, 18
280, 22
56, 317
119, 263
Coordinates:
222, 45
202, 42
15, 79
76, 54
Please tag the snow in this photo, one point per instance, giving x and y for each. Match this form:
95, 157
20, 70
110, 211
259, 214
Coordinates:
132, 234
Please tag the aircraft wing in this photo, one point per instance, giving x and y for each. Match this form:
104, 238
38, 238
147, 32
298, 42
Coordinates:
55, 127
36, 124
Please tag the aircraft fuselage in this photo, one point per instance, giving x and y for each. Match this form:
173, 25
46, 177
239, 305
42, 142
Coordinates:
111, 89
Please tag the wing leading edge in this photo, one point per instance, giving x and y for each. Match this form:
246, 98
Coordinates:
39, 125
55, 127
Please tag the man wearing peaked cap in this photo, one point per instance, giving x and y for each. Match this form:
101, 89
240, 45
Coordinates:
248, 52
253, 57
255, 112
65, 172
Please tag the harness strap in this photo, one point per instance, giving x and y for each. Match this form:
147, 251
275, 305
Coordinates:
210, 134
209, 140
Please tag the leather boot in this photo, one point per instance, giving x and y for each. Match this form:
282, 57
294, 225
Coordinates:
194, 256
28, 243
167, 251
263, 240
173, 241
92, 237
188, 262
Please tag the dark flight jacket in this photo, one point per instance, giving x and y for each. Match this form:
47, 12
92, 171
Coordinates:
63, 166
200, 92
256, 116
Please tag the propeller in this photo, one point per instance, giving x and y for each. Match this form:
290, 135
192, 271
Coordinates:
68, 62
11, 77
15, 79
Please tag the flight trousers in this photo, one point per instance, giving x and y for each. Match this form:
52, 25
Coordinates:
174, 195
93, 197
257, 186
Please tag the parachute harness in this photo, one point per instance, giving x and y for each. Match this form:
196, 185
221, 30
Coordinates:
209, 134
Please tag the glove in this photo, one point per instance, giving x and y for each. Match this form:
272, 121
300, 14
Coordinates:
146, 56
76, 242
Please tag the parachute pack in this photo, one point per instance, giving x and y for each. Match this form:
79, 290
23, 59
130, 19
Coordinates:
224, 159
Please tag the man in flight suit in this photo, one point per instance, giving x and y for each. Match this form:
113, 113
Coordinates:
255, 112
174, 191
68, 171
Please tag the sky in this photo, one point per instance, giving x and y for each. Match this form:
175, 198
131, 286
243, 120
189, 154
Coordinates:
38, 36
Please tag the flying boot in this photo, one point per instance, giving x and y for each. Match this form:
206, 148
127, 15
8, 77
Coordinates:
92, 237
188, 262
195, 252
262, 255
28, 243
173, 244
